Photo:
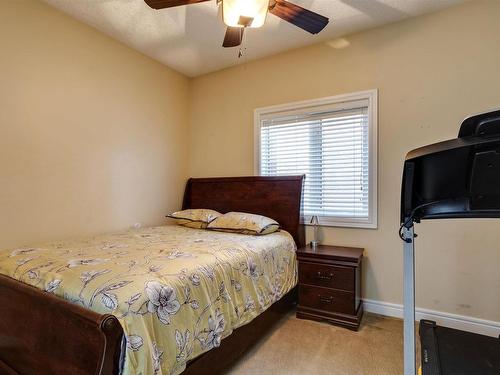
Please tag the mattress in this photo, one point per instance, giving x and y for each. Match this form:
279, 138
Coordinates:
176, 291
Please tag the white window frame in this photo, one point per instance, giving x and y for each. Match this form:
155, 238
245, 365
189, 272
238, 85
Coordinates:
372, 97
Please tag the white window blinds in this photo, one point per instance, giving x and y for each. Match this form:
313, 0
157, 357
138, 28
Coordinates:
330, 144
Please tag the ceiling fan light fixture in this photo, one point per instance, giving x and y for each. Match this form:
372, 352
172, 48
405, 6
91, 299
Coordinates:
233, 11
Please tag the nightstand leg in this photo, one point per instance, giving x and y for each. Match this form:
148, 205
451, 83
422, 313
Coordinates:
409, 301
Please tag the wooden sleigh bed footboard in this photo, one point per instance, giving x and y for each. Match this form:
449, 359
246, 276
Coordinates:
42, 334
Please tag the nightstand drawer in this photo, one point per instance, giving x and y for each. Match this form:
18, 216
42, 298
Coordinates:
326, 299
328, 276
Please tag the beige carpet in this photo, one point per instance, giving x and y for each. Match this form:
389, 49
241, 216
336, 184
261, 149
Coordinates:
299, 346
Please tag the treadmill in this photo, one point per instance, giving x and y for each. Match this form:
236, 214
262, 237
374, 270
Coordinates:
458, 178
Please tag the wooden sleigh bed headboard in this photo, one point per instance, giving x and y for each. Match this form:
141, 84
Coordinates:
275, 197
44, 334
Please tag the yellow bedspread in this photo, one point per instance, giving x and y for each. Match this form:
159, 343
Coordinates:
177, 291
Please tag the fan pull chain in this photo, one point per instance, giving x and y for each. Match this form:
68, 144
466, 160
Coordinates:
242, 50
242, 53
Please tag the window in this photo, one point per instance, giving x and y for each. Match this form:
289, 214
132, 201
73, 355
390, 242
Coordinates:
333, 141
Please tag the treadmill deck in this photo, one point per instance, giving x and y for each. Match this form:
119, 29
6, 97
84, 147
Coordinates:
447, 351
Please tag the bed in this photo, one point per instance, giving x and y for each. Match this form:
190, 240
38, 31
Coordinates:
40, 330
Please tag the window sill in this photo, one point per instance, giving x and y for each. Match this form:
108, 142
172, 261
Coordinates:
342, 224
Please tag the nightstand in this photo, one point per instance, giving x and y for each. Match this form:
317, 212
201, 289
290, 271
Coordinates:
330, 285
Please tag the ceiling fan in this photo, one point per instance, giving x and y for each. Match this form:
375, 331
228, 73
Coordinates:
239, 14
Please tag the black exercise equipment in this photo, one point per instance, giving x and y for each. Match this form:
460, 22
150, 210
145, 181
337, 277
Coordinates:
458, 178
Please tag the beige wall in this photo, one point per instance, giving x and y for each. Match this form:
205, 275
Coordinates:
431, 72
92, 134
95, 137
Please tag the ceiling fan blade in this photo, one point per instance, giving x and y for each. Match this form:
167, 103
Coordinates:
300, 17
233, 37
160, 4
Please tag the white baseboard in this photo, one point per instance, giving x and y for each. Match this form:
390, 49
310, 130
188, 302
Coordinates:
464, 323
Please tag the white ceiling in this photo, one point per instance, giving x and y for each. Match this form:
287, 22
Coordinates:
188, 38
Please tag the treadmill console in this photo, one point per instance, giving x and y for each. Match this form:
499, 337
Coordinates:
458, 178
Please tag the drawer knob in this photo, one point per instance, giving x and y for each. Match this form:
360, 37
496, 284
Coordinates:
322, 276
325, 299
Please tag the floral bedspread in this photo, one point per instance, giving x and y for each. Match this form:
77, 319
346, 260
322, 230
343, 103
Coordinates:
176, 291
